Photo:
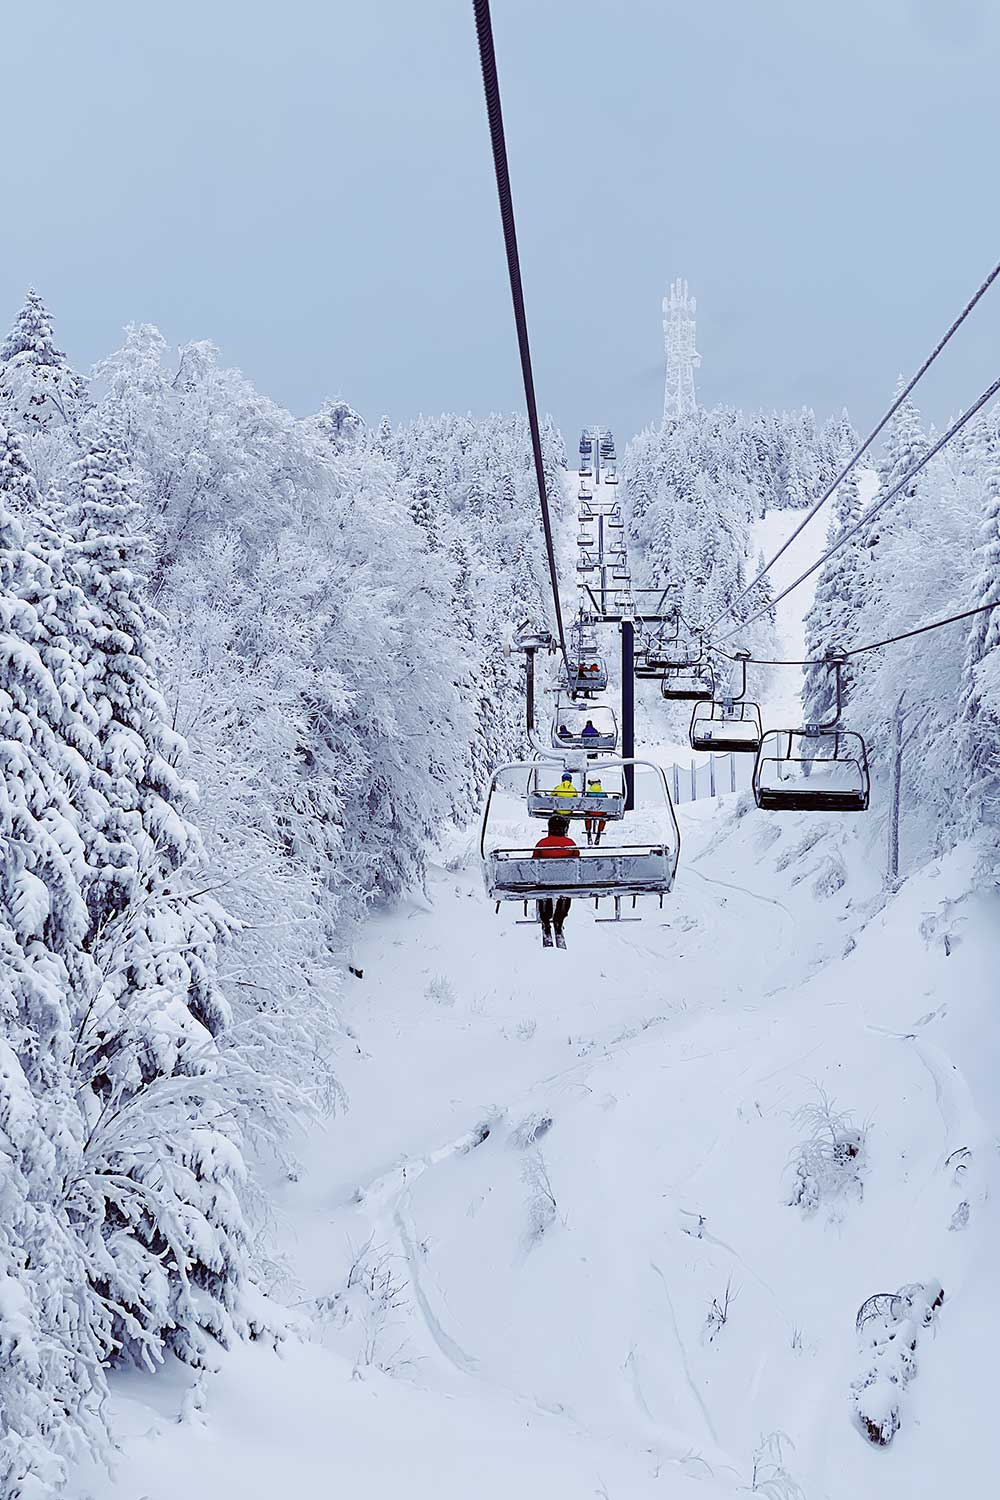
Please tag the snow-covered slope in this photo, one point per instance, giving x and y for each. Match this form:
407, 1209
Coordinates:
554, 1165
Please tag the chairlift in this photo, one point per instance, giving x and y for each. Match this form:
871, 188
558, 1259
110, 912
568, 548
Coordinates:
531, 637
586, 443
544, 799
728, 722
610, 477
584, 539
617, 871
587, 674
592, 727
819, 768
687, 684
675, 650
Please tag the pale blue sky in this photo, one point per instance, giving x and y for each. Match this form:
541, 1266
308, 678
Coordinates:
309, 184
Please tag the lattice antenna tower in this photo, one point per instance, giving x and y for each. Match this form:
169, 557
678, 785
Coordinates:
679, 398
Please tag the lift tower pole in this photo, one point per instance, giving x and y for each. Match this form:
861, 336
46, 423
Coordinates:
628, 709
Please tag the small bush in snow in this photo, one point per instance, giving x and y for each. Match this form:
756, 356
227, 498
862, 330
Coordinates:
827, 1165
542, 1206
363, 1312
440, 991
530, 1130
718, 1313
770, 1477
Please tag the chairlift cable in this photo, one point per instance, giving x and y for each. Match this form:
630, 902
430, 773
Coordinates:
491, 89
822, 661
862, 450
873, 510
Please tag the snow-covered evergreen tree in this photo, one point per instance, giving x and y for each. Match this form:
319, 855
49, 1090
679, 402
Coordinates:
38, 387
979, 698
832, 620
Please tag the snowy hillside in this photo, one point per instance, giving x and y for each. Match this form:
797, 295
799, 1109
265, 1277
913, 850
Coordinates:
509, 1254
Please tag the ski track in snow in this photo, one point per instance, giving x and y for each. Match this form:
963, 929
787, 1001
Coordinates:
692, 1387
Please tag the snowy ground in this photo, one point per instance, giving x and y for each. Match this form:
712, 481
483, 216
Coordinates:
506, 1251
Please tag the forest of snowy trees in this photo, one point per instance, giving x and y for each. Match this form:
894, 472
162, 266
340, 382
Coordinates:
252, 667
696, 487
929, 708
252, 670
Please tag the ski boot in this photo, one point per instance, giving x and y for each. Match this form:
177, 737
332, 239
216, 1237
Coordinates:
560, 940
546, 936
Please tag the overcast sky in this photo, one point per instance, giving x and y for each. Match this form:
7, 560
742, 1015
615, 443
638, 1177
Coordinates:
309, 184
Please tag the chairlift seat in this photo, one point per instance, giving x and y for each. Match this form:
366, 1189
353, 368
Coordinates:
643, 869
724, 727
611, 805
683, 686
822, 770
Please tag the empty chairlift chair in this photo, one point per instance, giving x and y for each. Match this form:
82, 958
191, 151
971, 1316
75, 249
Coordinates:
693, 684
614, 869
672, 648
819, 768
728, 722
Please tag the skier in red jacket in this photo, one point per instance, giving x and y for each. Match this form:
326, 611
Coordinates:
555, 845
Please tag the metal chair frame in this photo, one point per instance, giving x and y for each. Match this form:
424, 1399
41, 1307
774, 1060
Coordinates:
849, 750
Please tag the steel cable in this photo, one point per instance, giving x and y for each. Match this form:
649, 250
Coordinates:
491, 89
862, 450
873, 510
823, 661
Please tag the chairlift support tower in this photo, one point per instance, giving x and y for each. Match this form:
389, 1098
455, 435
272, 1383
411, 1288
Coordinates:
682, 357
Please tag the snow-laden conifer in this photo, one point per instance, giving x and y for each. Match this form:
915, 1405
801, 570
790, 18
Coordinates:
38, 387
979, 698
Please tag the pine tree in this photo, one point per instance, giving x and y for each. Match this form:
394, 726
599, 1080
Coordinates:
38, 387
979, 694
831, 622
905, 444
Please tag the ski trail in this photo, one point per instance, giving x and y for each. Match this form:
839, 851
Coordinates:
684, 1359
452, 1351
741, 889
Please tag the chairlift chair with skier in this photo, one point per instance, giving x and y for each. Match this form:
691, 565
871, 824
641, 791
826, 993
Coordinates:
641, 861
592, 727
